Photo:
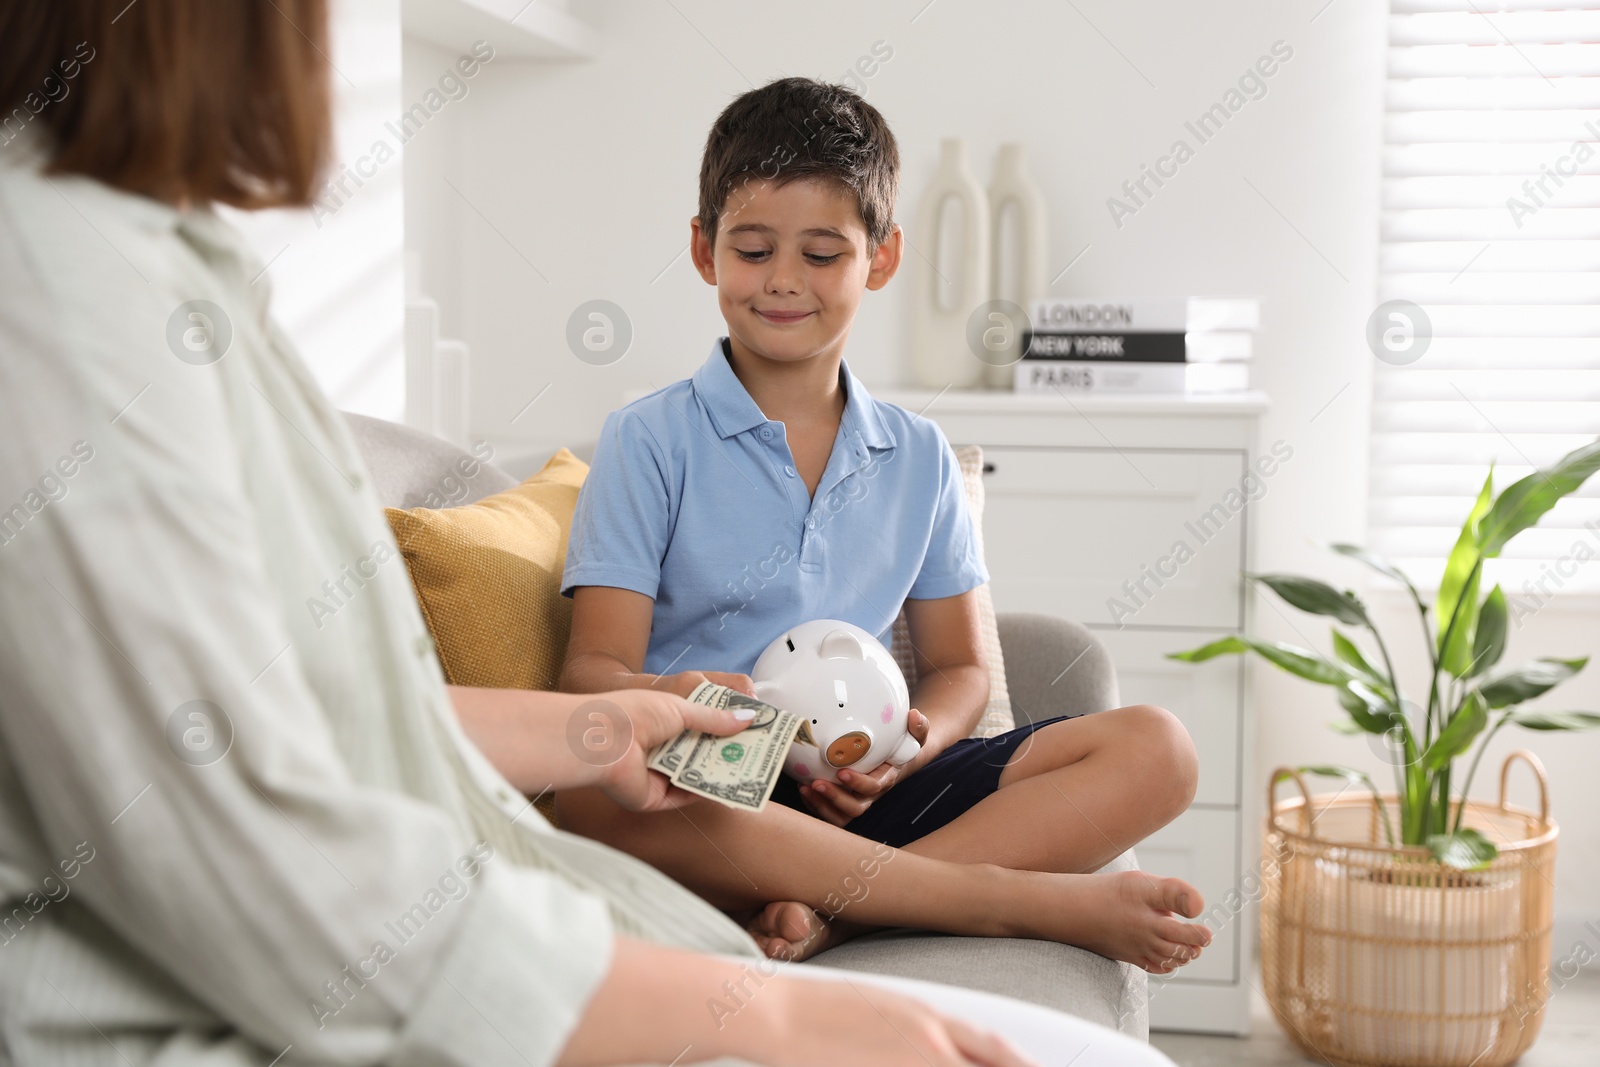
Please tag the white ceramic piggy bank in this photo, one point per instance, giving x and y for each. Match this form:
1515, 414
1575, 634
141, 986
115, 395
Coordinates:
850, 691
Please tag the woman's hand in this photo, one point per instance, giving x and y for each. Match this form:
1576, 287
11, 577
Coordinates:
652, 1006
866, 1024
857, 790
616, 732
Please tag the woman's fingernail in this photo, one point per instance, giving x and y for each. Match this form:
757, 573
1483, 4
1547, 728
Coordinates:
744, 714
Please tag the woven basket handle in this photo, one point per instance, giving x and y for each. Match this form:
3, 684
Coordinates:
1538, 772
1305, 812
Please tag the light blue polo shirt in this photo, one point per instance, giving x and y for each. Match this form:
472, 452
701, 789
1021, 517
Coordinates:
693, 499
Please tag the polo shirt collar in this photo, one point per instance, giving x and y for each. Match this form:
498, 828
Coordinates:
861, 416
732, 410
725, 398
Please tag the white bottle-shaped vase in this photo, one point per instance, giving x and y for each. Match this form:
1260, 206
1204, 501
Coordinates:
952, 273
1019, 233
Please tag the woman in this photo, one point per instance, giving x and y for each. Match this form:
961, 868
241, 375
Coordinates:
231, 832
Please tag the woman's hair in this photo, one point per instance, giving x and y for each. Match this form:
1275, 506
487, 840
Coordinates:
209, 100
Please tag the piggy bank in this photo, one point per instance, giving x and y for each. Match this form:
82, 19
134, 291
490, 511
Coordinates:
850, 692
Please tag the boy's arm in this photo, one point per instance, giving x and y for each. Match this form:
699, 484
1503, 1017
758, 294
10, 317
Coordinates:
948, 644
610, 634
953, 686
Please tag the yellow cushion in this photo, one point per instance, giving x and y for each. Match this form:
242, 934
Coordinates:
488, 577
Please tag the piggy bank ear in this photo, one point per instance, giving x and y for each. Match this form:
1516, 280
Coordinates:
842, 644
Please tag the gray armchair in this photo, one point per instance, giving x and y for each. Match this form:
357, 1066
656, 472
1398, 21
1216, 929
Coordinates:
413, 469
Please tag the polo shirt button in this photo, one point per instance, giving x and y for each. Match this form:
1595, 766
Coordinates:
789, 471
766, 433
811, 523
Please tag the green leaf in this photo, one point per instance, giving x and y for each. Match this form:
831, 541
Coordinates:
1222, 647
1346, 727
1465, 850
1297, 661
1345, 651
1525, 502
1489, 643
1557, 720
1358, 777
1377, 563
1456, 656
1506, 688
1336, 770
1458, 733
1368, 709
1318, 598
1458, 570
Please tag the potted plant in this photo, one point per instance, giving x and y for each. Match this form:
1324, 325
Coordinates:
1415, 929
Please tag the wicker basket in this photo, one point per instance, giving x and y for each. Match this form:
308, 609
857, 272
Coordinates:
1382, 957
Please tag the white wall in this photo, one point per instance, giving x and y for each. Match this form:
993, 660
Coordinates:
586, 173
336, 271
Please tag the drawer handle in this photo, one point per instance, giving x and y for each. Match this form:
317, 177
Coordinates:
988, 468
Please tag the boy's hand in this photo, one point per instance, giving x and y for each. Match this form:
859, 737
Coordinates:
839, 804
686, 682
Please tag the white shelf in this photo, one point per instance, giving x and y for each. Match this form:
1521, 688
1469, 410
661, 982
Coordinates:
1000, 402
517, 29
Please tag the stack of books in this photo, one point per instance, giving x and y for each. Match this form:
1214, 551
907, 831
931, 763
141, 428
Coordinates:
1198, 345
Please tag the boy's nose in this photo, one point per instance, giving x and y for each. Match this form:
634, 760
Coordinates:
786, 276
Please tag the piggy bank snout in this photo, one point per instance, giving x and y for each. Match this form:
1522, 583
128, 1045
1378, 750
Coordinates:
848, 748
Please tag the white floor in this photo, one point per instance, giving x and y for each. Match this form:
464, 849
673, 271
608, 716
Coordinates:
1569, 1037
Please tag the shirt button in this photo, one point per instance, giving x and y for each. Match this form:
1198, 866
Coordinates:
789, 471
811, 523
766, 433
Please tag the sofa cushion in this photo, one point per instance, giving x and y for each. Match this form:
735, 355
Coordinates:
412, 469
997, 717
488, 577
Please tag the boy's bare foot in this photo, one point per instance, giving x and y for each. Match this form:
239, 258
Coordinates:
790, 930
1127, 915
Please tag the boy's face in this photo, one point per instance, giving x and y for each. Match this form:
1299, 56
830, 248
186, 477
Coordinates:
790, 264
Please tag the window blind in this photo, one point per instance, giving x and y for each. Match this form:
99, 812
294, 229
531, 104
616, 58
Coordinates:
1491, 225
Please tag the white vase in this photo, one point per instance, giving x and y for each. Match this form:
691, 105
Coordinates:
1017, 264
951, 276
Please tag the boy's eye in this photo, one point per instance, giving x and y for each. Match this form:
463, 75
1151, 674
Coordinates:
758, 255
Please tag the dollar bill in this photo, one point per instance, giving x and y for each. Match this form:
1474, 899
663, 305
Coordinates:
667, 757
740, 770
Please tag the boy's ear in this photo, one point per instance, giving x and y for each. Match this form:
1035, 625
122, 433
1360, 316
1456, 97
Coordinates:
700, 252
886, 260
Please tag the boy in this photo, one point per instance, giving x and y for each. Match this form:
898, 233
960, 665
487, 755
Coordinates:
771, 489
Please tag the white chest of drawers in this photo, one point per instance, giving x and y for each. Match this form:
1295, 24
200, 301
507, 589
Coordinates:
1131, 514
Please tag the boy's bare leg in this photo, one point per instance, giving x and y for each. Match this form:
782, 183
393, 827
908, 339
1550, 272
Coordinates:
997, 875
1077, 794
1100, 784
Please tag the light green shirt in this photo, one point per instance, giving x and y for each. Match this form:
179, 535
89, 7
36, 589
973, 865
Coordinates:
325, 869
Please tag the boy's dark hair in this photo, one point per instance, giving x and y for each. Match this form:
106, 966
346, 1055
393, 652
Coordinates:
797, 128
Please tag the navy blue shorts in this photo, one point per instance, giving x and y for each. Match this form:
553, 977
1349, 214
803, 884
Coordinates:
943, 791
